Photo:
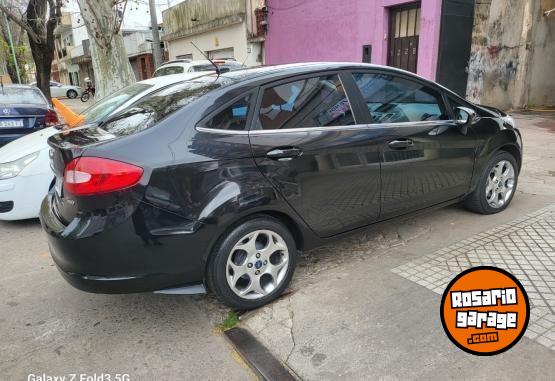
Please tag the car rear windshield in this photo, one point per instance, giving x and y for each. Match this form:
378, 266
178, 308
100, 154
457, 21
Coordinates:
107, 105
207, 67
168, 70
21, 95
153, 108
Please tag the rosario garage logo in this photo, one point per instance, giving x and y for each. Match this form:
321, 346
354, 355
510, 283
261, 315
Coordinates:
485, 310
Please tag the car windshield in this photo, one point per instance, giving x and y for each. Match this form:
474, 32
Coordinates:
156, 106
168, 70
111, 103
21, 95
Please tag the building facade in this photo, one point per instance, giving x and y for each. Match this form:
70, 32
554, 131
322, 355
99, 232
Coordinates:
355, 30
138, 45
220, 28
63, 69
418, 36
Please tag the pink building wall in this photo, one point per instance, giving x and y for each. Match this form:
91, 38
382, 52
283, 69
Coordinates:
336, 30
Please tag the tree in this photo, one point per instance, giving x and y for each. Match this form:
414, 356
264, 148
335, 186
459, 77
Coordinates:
39, 21
20, 47
111, 66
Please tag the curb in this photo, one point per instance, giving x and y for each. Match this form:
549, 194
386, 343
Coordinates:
264, 364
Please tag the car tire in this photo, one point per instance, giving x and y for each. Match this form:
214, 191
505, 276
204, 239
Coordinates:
72, 94
252, 264
496, 186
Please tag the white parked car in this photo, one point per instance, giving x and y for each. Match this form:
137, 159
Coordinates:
59, 90
25, 173
189, 66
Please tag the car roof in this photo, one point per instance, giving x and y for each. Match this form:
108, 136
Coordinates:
302, 68
275, 72
185, 63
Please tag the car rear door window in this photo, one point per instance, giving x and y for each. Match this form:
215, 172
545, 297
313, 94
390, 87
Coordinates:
232, 117
392, 99
310, 102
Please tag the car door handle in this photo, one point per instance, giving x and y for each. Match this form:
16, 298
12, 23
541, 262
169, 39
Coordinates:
284, 154
401, 143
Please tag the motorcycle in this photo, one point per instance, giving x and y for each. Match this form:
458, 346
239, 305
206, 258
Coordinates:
87, 93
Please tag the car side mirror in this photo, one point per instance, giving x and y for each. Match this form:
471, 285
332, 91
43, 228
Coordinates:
464, 117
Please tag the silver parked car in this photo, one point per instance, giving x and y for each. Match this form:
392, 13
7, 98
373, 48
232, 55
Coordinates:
59, 90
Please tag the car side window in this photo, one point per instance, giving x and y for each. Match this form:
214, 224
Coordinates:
311, 102
233, 117
392, 99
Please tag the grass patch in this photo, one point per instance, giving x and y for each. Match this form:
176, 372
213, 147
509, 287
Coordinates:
230, 321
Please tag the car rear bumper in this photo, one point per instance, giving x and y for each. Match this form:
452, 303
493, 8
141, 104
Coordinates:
118, 285
97, 255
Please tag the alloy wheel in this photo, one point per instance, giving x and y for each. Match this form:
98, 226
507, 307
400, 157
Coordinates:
257, 264
500, 184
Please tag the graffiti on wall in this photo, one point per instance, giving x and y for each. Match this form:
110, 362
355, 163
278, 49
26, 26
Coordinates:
494, 66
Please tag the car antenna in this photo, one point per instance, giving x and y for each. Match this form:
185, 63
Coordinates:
206, 56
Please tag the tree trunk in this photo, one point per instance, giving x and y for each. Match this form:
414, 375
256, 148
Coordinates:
112, 70
43, 66
42, 47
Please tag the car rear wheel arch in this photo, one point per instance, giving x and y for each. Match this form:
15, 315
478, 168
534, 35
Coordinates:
281, 217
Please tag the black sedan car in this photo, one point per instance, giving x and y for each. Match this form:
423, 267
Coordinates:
23, 109
220, 181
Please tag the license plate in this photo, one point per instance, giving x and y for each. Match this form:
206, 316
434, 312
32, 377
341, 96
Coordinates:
11, 123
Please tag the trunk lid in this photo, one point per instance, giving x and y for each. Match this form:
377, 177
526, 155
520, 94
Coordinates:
16, 119
64, 147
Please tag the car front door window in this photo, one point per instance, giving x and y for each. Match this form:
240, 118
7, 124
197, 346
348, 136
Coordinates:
392, 99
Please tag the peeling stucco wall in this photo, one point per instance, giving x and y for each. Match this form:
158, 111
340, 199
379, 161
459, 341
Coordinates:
225, 26
542, 62
198, 16
511, 63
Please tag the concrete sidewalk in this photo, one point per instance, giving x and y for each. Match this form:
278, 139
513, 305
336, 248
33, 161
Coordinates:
368, 306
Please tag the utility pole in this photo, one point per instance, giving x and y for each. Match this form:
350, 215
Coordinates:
155, 34
12, 48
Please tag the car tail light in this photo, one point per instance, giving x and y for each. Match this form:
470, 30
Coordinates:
51, 118
87, 176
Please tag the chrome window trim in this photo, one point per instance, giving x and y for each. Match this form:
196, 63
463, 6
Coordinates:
220, 131
330, 128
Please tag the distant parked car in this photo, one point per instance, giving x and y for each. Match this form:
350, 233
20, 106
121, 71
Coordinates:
188, 66
219, 182
23, 110
25, 173
60, 90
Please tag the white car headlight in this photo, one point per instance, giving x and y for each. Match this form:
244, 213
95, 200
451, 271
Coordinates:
13, 168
